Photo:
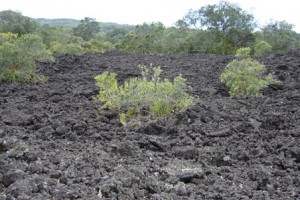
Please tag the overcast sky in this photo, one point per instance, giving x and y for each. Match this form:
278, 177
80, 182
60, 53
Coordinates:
139, 11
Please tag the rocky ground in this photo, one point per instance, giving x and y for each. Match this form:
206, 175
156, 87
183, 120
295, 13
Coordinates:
56, 144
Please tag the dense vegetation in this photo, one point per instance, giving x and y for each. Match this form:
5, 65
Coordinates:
213, 29
18, 57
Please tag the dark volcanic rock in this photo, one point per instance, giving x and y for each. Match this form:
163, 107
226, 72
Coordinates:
12, 176
55, 143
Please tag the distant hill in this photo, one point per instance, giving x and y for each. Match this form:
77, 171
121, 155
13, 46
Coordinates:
107, 27
58, 22
64, 22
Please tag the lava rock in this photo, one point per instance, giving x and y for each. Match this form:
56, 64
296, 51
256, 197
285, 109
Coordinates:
180, 189
80, 127
13, 176
187, 175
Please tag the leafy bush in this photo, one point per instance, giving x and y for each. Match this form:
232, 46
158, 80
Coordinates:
33, 47
71, 49
15, 22
243, 52
148, 95
18, 58
8, 37
145, 38
97, 46
74, 49
57, 48
262, 48
245, 76
280, 35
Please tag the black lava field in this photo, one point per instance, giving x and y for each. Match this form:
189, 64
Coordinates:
55, 142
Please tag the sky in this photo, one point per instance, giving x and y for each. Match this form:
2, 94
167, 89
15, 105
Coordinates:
139, 11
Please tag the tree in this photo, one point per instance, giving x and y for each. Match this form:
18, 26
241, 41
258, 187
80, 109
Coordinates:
280, 36
116, 34
232, 25
182, 24
202, 41
174, 40
145, 38
223, 17
55, 34
87, 29
15, 22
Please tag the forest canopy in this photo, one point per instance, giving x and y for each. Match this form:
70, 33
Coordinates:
219, 29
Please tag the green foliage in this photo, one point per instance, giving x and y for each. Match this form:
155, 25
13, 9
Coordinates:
97, 46
56, 48
18, 58
156, 39
87, 29
280, 36
145, 38
61, 42
59, 35
243, 52
223, 46
214, 29
245, 76
78, 47
73, 49
116, 34
174, 41
8, 37
202, 41
262, 48
148, 95
62, 31
33, 47
231, 25
220, 28
15, 22
223, 16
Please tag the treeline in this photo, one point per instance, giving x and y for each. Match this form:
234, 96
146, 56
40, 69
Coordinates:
214, 29
88, 36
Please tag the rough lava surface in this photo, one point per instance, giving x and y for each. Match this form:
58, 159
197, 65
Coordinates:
56, 144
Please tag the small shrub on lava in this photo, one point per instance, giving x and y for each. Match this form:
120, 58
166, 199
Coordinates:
245, 76
148, 95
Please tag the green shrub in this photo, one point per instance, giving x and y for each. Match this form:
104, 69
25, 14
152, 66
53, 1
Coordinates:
57, 48
245, 76
18, 58
148, 95
33, 47
78, 47
8, 37
71, 49
74, 49
262, 48
243, 52
97, 46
